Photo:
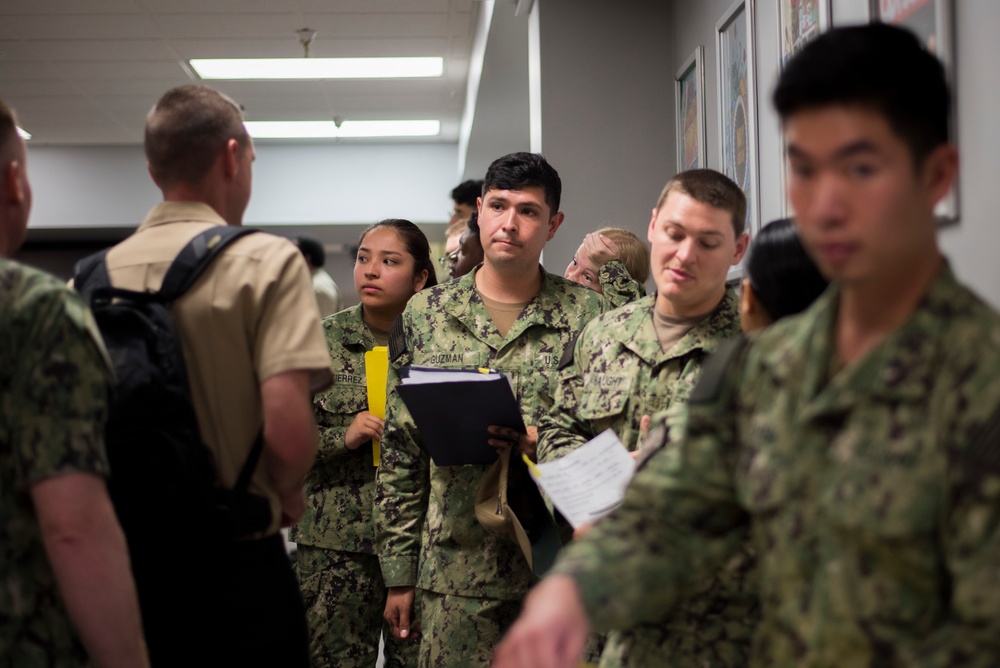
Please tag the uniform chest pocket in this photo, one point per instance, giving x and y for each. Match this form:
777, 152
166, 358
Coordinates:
344, 399
883, 501
603, 395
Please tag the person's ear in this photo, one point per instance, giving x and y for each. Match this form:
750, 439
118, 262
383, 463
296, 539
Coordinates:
652, 226
939, 172
231, 158
554, 223
741, 247
13, 183
420, 280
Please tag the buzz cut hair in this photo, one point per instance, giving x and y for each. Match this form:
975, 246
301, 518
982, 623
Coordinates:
712, 188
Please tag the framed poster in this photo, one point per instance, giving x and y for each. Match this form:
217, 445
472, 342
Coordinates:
798, 22
933, 23
737, 102
689, 92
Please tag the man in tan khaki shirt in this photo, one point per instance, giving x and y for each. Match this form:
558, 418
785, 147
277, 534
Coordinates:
254, 349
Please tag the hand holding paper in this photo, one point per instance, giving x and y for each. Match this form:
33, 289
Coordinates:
590, 482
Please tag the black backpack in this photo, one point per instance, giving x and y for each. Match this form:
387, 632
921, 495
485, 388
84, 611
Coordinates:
163, 480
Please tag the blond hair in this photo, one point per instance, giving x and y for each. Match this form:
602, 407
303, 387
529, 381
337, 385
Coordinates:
632, 252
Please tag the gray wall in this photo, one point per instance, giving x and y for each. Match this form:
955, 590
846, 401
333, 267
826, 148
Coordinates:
971, 245
607, 121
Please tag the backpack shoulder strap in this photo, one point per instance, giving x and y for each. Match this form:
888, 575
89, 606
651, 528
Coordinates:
195, 257
91, 274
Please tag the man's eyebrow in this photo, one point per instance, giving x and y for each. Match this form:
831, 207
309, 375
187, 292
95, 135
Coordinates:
854, 148
700, 233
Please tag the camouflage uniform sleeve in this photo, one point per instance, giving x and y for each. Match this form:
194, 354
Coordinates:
679, 521
402, 483
970, 635
70, 378
618, 286
561, 430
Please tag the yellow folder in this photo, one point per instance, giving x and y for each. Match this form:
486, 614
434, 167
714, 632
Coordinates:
376, 370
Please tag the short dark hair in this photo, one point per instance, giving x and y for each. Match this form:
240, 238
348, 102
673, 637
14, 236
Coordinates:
879, 66
473, 223
186, 130
312, 249
467, 192
416, 245
517, 171
783, 277
712, 188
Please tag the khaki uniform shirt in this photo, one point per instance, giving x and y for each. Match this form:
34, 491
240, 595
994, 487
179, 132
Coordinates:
425, 513
54, 387
340, 488
250, 316
872, 496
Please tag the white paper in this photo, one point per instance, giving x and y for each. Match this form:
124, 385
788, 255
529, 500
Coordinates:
419, 376
589, 482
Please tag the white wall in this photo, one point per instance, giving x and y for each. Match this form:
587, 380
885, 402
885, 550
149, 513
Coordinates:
973, 245
331, 184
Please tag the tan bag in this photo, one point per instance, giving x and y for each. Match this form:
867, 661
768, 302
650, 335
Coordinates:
500, 514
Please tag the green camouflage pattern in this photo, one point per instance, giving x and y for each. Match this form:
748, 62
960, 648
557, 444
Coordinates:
344, 598
461, 631
424, 513
872, 494
335, 565
54, 387
618, 286
619, 373
340, 488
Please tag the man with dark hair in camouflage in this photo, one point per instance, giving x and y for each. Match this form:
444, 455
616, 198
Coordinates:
509, 315
643, 358
66, 589
855, 444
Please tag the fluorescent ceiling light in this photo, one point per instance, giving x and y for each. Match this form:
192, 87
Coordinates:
24, 135
317, 68
328, 129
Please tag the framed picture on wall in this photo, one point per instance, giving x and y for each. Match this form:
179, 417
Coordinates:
798, 22
689, 92
737, 102
933, 23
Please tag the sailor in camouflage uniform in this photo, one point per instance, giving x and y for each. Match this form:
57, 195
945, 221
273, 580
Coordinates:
336, 565
66, 589
473, 581
620, 373
856, 444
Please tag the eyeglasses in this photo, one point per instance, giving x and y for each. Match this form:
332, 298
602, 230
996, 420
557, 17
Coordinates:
449, 258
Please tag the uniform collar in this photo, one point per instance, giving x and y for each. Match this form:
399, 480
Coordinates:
901, 367
177, 212
354, 332
546, 308
638, 334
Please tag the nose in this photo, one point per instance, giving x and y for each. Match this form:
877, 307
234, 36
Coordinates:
686, 250
825, 203
508, 222
570, 273
372, 269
